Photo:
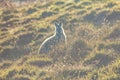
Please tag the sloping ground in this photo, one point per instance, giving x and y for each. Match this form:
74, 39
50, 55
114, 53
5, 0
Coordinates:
92, 51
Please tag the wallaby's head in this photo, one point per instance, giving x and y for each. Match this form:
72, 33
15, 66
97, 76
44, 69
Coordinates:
59, 27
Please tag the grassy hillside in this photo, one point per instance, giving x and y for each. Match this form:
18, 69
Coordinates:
92, 51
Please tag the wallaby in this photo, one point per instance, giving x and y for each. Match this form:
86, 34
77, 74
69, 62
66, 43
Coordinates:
50, 43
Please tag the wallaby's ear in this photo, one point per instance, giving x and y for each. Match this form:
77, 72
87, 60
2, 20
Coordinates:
60, 24
56, 24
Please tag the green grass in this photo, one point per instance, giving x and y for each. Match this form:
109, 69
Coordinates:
93, 41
